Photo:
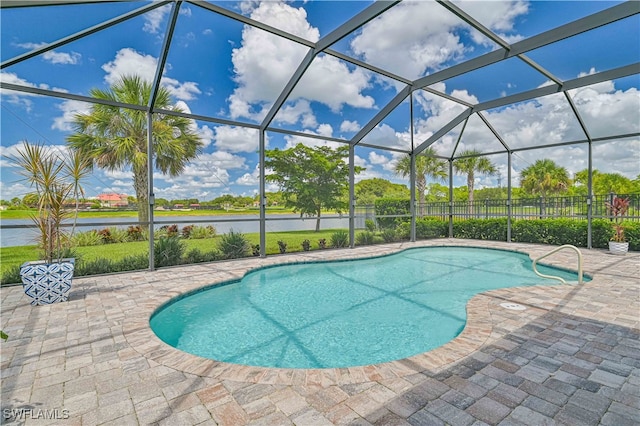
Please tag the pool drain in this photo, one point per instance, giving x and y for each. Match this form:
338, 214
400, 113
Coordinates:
513, 306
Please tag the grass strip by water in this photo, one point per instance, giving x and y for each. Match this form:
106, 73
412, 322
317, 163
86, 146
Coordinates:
16, 255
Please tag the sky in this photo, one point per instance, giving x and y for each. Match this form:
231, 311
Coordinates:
222, 68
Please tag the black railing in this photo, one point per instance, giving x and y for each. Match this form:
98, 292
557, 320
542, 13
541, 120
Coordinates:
572, 207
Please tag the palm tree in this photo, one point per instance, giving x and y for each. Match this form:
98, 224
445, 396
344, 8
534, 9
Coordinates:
469, 165
115, 138
427, 166
543, 178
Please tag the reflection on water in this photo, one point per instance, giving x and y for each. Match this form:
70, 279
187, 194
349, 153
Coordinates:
239, 223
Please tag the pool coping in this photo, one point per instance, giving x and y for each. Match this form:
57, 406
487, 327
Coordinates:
477, 331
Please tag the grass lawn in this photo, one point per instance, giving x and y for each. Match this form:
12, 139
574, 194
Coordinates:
15, 256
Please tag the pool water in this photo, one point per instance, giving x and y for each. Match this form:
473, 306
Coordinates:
342, 313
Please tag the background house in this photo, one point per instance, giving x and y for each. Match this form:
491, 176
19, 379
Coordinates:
113, 200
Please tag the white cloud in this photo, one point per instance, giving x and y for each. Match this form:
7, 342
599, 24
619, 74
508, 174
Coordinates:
52, 56
186, 91
499, 17
413, 38
410, 38
236, 139
153, 19
130, 62
378, 159
69, 110
265, 62
250, 179
20, 99
207, 172
300, 110
325, 130
384, 135
349, 126
62, 58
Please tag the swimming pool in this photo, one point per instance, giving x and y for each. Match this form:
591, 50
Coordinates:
342, 313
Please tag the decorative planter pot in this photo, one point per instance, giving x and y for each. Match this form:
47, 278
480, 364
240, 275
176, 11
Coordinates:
47, 283
618, 248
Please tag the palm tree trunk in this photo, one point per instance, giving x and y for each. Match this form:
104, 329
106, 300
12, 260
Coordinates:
141, 185
421, 186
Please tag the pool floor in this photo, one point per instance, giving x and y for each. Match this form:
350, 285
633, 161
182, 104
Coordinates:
343, 314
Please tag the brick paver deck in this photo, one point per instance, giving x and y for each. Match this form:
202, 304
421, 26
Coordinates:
572, 357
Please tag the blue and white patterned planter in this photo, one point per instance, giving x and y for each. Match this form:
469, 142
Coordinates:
47, 283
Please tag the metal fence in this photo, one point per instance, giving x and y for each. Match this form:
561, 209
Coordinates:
575, 207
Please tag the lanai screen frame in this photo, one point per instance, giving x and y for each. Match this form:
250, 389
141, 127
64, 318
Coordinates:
504, 52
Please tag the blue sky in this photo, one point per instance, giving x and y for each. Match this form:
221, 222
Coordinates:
222, 68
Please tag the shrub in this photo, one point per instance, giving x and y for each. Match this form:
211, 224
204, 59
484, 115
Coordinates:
365, 238
322, 243
107, 266
389, 235
168, 251
105, 235
632, 232
370, 225
113, 235
95, 267
201, 232
431, 228
481, 229
186, 231
135, 233
172, 230
132, 263
306, 245
88, 238
197, 256
282, 246
11, 276
391, 206
233, 245
340, 239
425, 228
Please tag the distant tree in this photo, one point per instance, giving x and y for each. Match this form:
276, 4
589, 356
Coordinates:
162, 202
491, 194
470, 165
437, 192
16, 201
275, 198
312, 179
116, 138
30, 200
367, 191
604, 183
544, 178
427, 166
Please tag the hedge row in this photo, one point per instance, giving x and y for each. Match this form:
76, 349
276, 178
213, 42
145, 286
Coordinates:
543, 231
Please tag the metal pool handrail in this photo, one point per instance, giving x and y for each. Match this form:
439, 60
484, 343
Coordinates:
553, 277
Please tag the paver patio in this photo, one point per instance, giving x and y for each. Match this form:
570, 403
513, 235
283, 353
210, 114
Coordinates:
572, 357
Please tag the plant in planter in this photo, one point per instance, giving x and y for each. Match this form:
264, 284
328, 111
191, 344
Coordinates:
48, 280
618, 208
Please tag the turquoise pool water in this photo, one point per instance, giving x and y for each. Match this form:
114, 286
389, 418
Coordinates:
345, 313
